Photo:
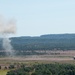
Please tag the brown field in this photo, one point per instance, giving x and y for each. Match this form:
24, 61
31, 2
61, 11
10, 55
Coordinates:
51, 56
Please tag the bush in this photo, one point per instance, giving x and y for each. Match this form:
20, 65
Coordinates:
45, 69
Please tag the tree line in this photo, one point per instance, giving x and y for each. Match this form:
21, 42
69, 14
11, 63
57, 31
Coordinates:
44, 42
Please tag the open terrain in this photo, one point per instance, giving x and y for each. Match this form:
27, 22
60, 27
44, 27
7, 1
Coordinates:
3, 72
49, 57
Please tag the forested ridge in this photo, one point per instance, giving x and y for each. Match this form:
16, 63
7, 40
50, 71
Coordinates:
43, 42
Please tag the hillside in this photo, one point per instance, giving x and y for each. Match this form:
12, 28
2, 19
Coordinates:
43, 42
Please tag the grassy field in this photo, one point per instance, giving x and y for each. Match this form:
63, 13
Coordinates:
3, 72
32, 62
56, 57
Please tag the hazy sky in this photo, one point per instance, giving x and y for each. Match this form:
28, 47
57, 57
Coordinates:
36, 17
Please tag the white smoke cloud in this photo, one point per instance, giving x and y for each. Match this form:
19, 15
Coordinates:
7, 28
7, 46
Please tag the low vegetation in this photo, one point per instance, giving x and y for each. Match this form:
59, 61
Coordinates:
45, 69
3, 72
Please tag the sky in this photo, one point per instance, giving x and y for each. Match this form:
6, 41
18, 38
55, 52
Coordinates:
38, 17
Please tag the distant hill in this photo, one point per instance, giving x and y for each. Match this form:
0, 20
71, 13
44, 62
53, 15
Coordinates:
43, 42
59, 36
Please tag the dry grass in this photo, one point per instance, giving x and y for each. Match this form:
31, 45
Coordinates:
58, 56
3, 72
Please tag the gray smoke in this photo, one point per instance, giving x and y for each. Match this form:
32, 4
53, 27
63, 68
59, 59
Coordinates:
7, 28
7, 46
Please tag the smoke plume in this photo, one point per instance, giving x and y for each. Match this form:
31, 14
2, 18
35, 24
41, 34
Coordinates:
7, 28
7, 46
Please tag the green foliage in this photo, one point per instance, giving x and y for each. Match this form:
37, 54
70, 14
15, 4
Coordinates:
11, 67
45, 69
29, 45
